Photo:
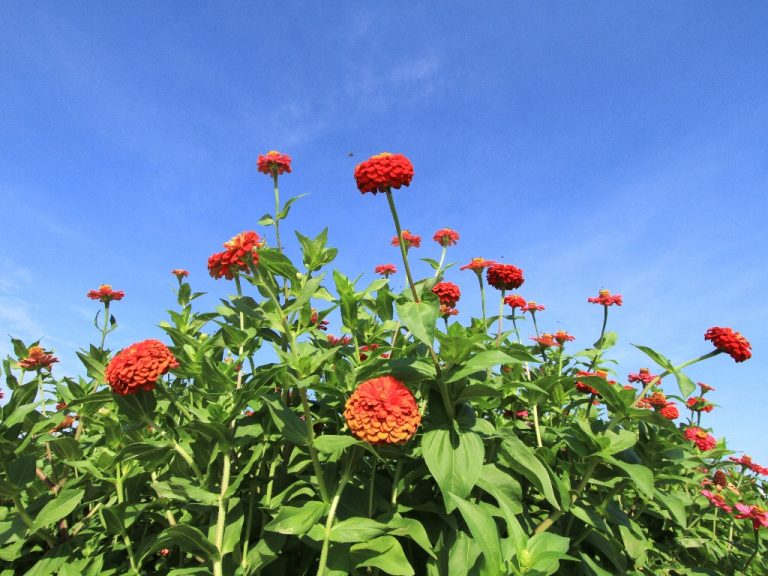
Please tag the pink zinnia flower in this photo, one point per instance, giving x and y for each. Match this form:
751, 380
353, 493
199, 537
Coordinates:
446, 237
700, 437
716, 500
477, 264
385, 270
643, 376
758, 515
532, 307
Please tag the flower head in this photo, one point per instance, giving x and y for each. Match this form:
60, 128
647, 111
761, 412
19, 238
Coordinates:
586, 388
504, 276
343, 341
643, 376
385, 270
313, 321
367, 348
562, 337
274, 163
446, 237
37, 359
446, 310
670, 411
382, 411
447, 292
233, 260
532, 307
700, 437
705, 388
606, 299
514, 301
546, 340
733, 343
716, 500
699, 404
383, 172
758, 515
658, 400
138, 367
720, 479
746, 461
106, 294
477, 264
180, 273
410, 240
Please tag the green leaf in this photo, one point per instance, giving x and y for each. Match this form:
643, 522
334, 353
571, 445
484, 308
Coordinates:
656, 357
685, 384
481, 361
330, 443
420, 318
348, 302
483, 529
522, 459
384, 553
58, 508
138, 406
546, 550
192, 540
462, 554
287, 422
413, 529
641, 476
297, 521
613, 442
454, 459
21, 471
674, 504
357, 530
287, 207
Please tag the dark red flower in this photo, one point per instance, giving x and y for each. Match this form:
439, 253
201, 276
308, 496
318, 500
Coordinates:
504, 276
37, 359
410, 240
514, 301
447, 292
367, 348
477, 264
321, 325
758, 515
733, 343
700, 437
139, 366
670, 411
274, 163
446, 237
382, 411
720, 479
606, 299
382, 172
532, 307
233, 260
343, 341
385, 270
180, 273
106, 294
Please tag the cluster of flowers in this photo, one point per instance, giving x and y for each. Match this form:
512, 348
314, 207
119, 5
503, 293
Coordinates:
721, 486
239, 251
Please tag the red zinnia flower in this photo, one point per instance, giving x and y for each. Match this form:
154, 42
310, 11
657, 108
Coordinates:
514, 301
758, 515
699, 404
504, 276
720, 479
700, 437
477, 264
731, 342
385, 270
586, 388
410, 240
643, 376
546, 340
606, 299
447, 292
105, 294
446, 310
657, 400
37, 359
746, 461
232, 261
562, 336
383, 172
180, 273
274, 163
367, 348
705, 388
532, 307
138, 367
670, 411
446, 237
382, 411
717, 500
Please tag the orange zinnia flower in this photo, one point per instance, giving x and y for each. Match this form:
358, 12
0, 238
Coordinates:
382, 411
606, 299
37, 359
138, 367
410, 240
106, 294
733, 343
233, 260
446, 237
383, 172
180, 273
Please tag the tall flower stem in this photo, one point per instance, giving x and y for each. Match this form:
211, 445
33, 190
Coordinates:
346, 475
535, 326
242, 327
221, 518
754, 552
514, 325
501, 318
120, 499
536, 425
401, 243
277, 211
600, 340
547, 523
105, 329
440, 264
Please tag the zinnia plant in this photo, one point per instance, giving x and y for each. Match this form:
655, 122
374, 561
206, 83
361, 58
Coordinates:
247, 441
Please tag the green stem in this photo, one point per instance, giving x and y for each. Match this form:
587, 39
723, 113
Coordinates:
277, 211
600, 340
395, 482
121, 500
514, 325
371, 486
188, 459
41, 391
29, 522
311, 445
754, 552
535, 326
547, 523
221, 519
440, 264
332, 512
482, 299
536, 425
501, 318
242, 329
105, 330
401, 243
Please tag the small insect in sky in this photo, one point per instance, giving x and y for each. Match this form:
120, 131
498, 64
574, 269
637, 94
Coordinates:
350, 154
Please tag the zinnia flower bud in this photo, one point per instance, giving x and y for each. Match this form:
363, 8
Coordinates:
382, 172
138, 367
382, 411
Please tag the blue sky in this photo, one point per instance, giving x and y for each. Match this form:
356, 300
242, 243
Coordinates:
595, 145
